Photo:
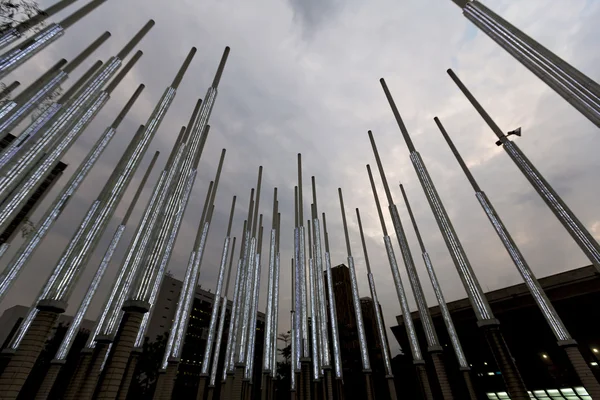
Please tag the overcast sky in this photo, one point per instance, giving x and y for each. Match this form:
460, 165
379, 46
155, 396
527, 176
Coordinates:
302, 77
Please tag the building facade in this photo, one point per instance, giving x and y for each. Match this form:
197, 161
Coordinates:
543, 365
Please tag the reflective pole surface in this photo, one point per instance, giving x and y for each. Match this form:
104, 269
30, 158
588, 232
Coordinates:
572, 224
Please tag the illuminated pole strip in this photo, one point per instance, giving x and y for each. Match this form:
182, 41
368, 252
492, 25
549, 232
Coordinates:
293, 370
249, 373
15, 111
31, 152
314, 321
221, 328
52, 124
28, 136
577, 89
250, 266
318, 256
411, 333
219, 289
74, 254
171, 358
107, 323
147, 284
241, 289
572, 224
437, 289
167, 229
378, 317
19, 260
337, 355
275, 324
60, 357
302, 260
297, 300
539, 296
229, 364
485, 317
360, 327
269, 339
433, 343
10, 35
15, 57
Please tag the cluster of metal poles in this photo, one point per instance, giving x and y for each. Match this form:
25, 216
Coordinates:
107, 364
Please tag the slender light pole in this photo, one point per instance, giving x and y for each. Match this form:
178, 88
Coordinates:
269, 338
52, 300
60, 132
322, 312
389, 375
212, 326
572, 224
564, 338
362, 338
17, 56
485, 317
293, 370
10, 35
60, 358
335, 334
19, 260
437, 289
145, 288
415, 347
576, 88
13, 112
275, 325
314, 316
221, 328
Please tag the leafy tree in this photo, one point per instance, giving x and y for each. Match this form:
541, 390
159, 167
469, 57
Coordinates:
13, 12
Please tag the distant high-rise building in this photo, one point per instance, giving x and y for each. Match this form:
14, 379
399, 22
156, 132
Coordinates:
349, 344
35, 199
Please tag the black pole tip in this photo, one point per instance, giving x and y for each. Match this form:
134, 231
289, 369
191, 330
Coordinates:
436, 119
449, 71
193, 50
151, 22
382, 81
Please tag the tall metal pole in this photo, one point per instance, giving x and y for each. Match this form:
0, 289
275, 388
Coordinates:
269, 337
564, 338
52, 300
322, 312
576, 88
486, 319
60, 358
335, 335
275, 326
415, 347
302, 346
17, 56
293, 370
362, 338
220, 330
433, 344
437, 289
10, 35
572, 224
19, 260
389, 375
16, 110
314, 317
60, 133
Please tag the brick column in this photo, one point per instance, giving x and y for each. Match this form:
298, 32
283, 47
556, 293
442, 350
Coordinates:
81, 372
391, 387
90, 380
440, 371
369, 385
510, 373
226, 386
236, 386
129, 372
169, 382
305, 379
582, 368
49, 379
19, 367
469, 383
424, 381
201, 387
329, 383
116, 364
340, 389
